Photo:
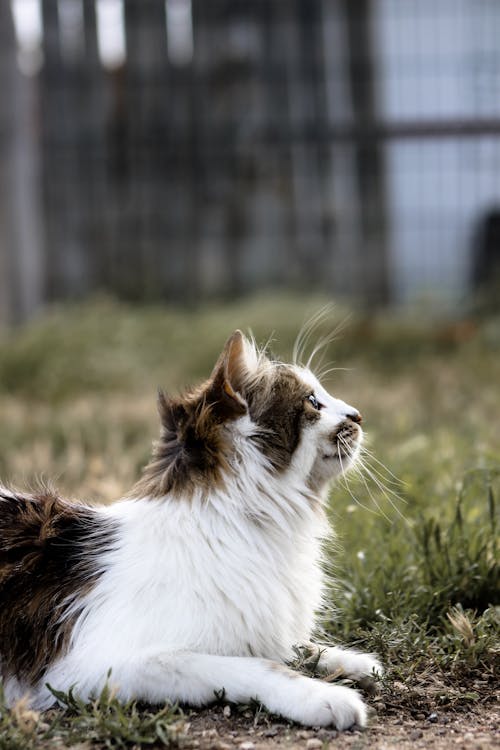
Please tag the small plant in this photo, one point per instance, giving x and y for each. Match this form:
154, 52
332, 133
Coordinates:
102, 723
460, 562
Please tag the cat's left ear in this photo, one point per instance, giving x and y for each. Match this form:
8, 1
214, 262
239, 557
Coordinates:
228, 378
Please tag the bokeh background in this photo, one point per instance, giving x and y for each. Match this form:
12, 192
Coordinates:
188, 150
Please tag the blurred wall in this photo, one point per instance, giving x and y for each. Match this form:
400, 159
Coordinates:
187, 149
21, 272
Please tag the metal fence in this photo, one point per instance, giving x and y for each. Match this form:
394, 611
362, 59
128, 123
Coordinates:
184, 149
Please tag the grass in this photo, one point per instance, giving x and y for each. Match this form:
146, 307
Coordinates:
416, 560
103, 723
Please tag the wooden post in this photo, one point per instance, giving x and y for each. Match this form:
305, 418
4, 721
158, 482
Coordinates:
21, 266
369, 156
8, 82
147, 120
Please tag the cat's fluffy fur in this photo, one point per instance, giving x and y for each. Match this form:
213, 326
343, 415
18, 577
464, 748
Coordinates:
208, 574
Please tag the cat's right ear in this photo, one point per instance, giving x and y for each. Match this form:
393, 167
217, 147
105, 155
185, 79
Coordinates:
226, 391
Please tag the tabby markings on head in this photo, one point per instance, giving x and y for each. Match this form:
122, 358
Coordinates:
195, 448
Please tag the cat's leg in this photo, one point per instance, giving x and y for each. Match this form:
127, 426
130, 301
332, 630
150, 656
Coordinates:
196, 679
346, 662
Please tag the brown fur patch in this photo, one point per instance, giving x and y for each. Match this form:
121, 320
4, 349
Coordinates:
281, 410
47, 547
194, 448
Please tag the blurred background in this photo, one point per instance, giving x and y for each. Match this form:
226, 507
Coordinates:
191, 150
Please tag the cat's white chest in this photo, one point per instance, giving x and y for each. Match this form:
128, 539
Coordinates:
180, 581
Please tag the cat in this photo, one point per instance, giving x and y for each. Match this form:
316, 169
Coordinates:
208, 575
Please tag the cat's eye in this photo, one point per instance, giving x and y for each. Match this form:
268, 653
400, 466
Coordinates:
314, 402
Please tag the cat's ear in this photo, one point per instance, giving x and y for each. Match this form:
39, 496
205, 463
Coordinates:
228, 378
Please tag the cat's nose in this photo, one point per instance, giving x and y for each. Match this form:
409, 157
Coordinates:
355, 416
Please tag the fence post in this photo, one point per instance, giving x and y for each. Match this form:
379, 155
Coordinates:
8, 82
21, 268
369, 157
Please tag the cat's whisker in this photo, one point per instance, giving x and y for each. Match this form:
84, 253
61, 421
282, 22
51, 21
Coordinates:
368, 452
355, 499
382, 481
383, 478
358, 471
343, 476
320, 346
306, 331
386, 492
322, 374
326, 341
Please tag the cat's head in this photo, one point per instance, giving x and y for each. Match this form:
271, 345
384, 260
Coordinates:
253, 413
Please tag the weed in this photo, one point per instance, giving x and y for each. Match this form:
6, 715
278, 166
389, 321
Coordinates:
103, 722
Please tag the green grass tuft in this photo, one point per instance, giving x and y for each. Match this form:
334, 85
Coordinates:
104, 723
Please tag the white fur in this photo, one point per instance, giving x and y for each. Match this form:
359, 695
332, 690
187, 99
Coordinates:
200, 593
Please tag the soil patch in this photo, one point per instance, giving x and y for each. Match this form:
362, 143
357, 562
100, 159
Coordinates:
477, 729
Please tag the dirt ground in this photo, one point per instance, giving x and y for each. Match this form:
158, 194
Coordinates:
475, 729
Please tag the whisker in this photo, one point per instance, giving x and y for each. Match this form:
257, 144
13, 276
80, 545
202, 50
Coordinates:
372, 456
322, 374
346, 485
385, 492
373, 498
384, 481
326, 340
307, 329
359, 473
367, 457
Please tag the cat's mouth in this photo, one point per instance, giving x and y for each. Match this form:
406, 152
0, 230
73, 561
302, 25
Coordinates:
344, 442
338, 453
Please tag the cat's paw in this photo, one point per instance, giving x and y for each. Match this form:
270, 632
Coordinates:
335, 705
352, 664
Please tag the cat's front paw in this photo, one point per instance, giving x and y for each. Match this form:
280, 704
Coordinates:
351, 664
327, 705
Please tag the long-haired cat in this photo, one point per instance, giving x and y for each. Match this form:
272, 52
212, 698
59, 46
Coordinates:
208, 574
